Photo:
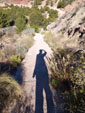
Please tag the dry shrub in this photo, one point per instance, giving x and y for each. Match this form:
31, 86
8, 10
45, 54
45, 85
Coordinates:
54, 41
10, 91
9, 50
67, 69
23, 44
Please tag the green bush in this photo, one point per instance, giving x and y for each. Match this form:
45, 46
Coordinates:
36, 18
3, 20
10, 91
37, 2
76, 100
36, 29
20, 23
51, 3
15, 61
47, 2
53, 14
68, 65
43, 9
6, 18
63, 3
55, 82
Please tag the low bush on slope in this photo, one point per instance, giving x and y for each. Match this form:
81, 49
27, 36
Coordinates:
12, 54
63, 3
67, 70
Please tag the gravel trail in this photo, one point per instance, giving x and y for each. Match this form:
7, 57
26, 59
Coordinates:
36, 79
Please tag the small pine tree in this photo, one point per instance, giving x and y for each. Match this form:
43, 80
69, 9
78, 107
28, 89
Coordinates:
3, 20
20, 23
47, 2
51, 3
36, 18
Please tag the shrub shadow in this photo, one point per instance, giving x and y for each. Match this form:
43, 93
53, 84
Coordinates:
6, 67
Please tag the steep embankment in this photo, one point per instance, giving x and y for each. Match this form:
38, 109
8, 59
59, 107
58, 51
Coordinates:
72, 27
66, 37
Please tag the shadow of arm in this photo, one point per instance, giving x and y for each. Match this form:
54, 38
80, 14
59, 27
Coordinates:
44, 54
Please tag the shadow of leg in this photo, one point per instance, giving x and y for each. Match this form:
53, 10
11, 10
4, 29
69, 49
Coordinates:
39, 99
50, 105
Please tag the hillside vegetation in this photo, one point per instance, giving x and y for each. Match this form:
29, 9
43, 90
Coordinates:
12, 51
63, 3
24, 16
66, 37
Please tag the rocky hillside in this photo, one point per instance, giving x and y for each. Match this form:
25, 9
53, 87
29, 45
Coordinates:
66, 37
74, 4
72, 27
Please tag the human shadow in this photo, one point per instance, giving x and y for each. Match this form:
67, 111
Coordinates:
42, 83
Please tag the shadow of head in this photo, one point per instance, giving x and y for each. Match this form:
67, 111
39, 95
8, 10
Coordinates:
42, 51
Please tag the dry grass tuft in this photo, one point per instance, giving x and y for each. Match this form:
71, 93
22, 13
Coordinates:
10, 91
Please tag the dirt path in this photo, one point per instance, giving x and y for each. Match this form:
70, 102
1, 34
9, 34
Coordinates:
37, 89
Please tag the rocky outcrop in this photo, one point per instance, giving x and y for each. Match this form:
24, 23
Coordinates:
74, 4
72, 26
